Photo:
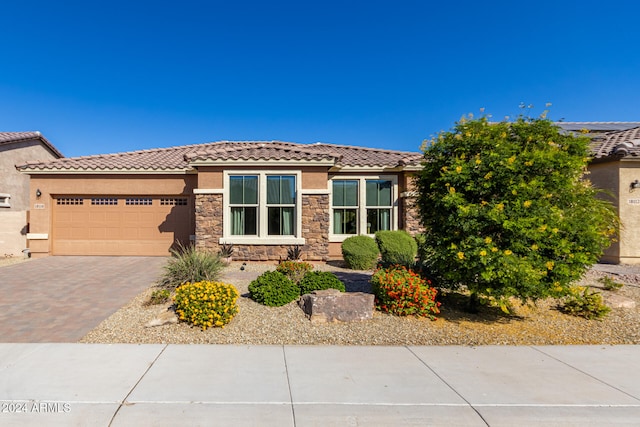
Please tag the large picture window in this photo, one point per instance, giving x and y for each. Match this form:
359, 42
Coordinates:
362, 205
262, 208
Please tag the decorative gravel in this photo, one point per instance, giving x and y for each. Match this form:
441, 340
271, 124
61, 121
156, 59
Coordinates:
256, 324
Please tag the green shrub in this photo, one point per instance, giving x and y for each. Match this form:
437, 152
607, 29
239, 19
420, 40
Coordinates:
609, 284
274, 289
402, 292
190, 265
159, 296
396, 247
294, 270
507, 209
583, 302
206, 304
360, 252
319, 280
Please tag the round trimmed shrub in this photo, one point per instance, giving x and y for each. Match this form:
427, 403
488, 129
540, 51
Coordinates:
360, 252
206, 304
396, 247
319, 280
274, 289
402, 292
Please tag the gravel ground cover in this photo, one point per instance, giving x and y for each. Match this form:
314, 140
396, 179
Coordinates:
540, 324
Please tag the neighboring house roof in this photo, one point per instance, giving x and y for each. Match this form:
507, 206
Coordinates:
625, 143
597, 127
183, 158
7, 138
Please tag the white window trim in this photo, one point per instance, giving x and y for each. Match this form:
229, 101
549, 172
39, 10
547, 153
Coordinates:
263, 238
362, 203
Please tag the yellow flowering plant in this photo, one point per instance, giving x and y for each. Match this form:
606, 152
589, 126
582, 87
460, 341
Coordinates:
507, 211
206, 304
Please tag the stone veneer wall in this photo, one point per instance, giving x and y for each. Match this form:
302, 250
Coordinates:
411, 216
208, 221
315, 230
315, 226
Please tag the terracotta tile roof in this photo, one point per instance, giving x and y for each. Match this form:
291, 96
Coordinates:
617, 144
7, 138
182, 157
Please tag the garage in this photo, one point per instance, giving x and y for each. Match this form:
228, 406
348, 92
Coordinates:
119, 225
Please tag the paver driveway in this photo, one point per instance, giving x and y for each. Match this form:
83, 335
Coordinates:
60, 299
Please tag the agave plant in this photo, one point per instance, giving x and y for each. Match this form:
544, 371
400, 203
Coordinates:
189, 264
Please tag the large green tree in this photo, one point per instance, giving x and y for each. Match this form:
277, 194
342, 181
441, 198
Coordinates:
508, 208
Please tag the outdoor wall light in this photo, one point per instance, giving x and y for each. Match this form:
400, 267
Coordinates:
38, 193
635, 184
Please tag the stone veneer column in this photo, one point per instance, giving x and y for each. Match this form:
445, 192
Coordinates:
208, 221
410, 213
315, 226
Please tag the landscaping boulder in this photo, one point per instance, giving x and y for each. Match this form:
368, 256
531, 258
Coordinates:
331, 305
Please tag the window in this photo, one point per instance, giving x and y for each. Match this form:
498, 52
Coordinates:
281, 205
243, 200
362, 205
262, 208
378, 205
104, 201
345, 207
173, 201
70, 201
138, 201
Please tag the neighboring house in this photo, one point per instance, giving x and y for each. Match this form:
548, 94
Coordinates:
616, 168
262, 197
17, 148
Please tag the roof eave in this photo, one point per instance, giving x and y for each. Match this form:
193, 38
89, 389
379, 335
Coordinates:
120, 171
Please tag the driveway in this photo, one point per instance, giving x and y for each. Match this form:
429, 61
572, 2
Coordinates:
61, 298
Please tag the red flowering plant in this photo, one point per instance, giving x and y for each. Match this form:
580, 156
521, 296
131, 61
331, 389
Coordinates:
403, 292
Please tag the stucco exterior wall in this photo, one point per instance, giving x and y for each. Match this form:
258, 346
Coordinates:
629, 210
13, 219
615, 177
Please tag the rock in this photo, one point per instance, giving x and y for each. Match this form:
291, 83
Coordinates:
164, 318
331, 305
617, 301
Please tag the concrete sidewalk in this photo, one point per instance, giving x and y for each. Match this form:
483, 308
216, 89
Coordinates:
159, 385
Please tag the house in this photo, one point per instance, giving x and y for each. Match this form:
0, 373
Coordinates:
18, 148
616, 168
262, 197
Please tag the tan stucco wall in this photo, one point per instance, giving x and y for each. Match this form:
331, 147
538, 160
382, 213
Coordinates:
86, 185
13, 220
629, 210
616, 177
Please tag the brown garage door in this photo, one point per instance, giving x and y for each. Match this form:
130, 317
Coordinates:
117, 225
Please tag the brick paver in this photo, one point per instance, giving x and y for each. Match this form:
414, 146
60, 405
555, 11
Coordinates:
60, 299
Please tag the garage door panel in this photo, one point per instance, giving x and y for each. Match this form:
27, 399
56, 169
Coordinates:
119, 229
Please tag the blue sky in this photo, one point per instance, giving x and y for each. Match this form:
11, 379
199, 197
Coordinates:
110, 76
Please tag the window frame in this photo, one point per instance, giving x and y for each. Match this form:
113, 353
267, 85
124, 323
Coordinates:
262, 237
362, 204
